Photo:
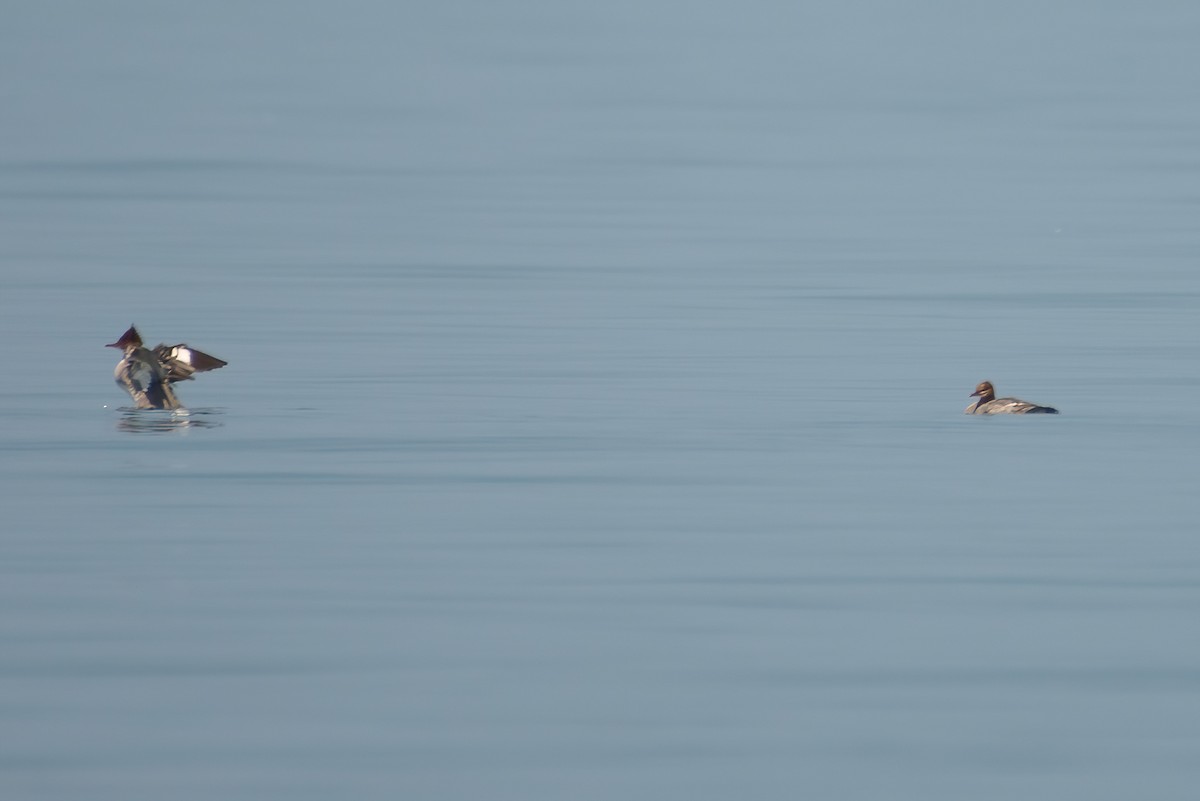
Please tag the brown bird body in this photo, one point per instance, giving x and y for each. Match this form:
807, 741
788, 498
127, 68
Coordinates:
988, 403
148, 374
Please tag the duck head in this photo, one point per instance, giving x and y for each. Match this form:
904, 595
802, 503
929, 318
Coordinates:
130, 339
984, 391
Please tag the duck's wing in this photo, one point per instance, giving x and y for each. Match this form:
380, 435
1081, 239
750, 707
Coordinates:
182, 362
1018, 406
1035, 409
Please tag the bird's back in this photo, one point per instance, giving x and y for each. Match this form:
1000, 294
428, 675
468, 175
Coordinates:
1010, 406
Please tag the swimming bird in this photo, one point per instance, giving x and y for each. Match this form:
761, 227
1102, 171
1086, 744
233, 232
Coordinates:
988, 403
147, 375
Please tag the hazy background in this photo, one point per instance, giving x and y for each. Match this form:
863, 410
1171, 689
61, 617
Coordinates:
592, 425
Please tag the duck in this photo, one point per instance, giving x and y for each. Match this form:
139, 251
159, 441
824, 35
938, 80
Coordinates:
148, 374
988, 403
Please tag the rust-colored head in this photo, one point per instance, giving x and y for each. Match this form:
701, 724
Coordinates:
130, 337
984, 391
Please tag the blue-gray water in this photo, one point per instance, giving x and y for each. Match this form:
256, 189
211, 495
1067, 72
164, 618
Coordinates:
592, 425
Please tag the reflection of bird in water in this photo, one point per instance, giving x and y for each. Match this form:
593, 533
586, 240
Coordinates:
145, 421
147, 375
988, 403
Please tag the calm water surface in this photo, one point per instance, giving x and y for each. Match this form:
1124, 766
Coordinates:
592, 425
